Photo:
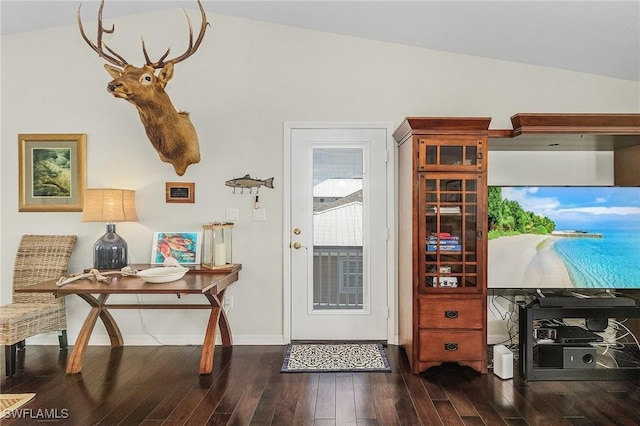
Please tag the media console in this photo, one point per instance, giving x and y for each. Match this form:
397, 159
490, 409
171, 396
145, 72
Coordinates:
575, 361
584, 302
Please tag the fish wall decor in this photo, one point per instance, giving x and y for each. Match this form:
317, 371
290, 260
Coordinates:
248, 182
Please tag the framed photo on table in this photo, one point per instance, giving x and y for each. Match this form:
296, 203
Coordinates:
182, 246
51, 172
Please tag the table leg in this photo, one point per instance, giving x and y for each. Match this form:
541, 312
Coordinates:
223, 321
216, 317
225, 331
74, 364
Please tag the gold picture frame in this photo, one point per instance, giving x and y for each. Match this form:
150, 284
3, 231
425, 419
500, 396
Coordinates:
51, 172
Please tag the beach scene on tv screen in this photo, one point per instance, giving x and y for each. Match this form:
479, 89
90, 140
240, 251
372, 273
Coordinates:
564, 237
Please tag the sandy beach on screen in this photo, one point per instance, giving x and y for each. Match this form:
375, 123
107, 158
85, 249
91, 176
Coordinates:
517, 262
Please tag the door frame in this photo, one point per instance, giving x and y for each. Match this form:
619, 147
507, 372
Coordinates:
392, 332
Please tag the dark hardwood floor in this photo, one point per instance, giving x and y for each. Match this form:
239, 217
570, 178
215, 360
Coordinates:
161, 385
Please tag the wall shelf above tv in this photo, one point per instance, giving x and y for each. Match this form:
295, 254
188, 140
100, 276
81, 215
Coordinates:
567, 132
619, 133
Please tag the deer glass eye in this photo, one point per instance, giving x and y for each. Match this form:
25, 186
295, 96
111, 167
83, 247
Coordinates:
145, 79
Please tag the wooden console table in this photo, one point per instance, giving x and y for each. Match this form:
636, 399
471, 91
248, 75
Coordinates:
211, 284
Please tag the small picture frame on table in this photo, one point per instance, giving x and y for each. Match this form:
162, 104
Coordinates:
182, 246
180, 192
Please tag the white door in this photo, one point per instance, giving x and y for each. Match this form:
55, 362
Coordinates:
338, 233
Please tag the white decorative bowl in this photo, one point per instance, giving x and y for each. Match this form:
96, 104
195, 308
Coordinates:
163, 274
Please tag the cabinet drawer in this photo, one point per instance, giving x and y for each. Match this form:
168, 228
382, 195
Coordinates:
451, 313
450, 345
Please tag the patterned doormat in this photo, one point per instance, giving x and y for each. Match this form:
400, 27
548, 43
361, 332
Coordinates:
334, 357
13, 401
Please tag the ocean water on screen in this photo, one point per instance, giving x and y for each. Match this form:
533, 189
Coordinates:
609, 262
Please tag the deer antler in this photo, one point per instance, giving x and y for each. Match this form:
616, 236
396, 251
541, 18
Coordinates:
116, 59
190, 50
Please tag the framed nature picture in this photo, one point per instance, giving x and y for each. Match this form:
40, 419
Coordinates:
183, 246
51, 172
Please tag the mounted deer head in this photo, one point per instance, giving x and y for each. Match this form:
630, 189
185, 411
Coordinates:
170, 132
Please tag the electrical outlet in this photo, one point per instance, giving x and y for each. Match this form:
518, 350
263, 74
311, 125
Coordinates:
232, 214
259, 215
227, 305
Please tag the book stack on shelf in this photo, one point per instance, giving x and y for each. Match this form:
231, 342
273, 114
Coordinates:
445, 240
444, 210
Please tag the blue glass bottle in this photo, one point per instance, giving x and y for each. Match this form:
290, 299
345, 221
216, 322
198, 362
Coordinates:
110, 251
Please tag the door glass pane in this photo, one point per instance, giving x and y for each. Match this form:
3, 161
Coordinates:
451, 155
432, 155
470, 156
338, 278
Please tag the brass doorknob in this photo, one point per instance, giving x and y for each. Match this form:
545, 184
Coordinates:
297, 245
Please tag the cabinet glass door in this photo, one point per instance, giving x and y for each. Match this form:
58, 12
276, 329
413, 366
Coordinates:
452, 234
451, 154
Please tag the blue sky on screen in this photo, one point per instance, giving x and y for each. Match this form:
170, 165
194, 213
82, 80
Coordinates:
581, 208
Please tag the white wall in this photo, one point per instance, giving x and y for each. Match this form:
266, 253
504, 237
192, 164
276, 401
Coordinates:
246, 80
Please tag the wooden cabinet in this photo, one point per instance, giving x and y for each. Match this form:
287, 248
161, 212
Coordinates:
442, 240
625, 166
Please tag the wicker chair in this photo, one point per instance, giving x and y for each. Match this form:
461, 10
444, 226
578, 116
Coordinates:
39, 258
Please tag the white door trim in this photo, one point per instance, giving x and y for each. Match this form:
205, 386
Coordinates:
392, 320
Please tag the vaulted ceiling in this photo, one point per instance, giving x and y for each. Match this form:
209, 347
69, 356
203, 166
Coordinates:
595, 37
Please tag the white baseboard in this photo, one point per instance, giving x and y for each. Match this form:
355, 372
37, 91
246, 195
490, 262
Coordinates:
160, 340
183, 340
394, 339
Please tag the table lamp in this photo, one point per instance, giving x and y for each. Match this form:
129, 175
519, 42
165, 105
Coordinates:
109, 205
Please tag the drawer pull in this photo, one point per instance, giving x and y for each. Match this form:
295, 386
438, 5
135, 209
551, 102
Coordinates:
450, 347
451, 314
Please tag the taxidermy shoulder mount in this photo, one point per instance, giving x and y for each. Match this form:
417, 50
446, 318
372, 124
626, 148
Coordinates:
171, 132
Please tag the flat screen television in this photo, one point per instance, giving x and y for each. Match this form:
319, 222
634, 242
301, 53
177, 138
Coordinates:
564, 237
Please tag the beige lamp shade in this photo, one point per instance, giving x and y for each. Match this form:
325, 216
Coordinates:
109, 205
